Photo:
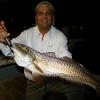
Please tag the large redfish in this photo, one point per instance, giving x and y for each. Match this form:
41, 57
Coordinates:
50, 66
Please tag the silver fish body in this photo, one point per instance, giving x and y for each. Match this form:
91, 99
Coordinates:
51, 66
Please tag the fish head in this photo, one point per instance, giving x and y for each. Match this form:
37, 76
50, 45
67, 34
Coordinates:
23, 55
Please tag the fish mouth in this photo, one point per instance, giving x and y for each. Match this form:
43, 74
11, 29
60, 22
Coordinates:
21, 58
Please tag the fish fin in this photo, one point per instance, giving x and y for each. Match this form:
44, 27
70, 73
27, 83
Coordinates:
38, 68
52, 54
36, 77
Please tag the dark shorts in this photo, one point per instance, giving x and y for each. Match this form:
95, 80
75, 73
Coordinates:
71, 91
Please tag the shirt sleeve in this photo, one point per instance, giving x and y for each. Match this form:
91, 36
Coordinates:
5, 49
20, 38
27, 74
62, 47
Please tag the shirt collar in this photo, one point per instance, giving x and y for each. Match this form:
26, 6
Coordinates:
38, 32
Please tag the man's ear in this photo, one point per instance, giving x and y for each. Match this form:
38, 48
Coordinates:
53, 20
35, 20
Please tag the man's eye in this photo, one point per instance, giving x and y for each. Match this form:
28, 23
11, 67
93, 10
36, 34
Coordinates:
39, 13
44, 13
48, 13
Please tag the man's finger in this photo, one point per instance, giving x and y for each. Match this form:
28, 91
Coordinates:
3, 25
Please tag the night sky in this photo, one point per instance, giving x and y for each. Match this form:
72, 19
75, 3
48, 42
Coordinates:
67, 12
19, 15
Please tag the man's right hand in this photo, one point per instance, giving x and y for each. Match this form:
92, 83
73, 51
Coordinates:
3, 32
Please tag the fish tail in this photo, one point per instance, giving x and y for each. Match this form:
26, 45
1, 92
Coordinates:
98, 85
95, 84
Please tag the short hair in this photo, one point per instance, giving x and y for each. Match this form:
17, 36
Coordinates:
45, 3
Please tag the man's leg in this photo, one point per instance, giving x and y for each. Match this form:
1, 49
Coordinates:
73, 92
34, 91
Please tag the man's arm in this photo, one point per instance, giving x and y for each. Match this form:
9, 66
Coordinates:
4, 41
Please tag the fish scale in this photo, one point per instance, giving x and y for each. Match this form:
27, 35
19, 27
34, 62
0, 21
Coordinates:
69, 71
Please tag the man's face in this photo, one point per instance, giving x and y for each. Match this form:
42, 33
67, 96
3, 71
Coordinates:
44, 17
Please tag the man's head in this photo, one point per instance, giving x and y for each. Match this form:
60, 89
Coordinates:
44, 15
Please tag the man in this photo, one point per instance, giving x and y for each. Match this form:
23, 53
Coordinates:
43, 37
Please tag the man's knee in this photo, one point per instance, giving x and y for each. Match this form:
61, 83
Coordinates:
54, 95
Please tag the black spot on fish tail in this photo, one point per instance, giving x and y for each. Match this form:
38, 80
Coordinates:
98, 84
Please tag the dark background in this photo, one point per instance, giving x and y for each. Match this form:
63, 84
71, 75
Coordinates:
80, 17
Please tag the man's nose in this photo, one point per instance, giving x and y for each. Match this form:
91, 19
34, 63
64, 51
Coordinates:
45, 14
